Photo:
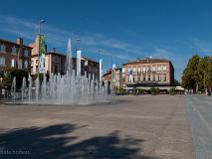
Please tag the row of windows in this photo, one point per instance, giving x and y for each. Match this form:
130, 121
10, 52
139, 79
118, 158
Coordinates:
148, 78
14, 50
148, 68
13, 62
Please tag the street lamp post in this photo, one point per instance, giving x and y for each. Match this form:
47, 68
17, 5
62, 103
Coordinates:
40, 23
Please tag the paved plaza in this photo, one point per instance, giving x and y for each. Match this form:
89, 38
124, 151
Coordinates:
200, 116
132, 127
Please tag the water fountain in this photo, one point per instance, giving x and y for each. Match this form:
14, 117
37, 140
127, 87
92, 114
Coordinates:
13, 89
71, 88
23, 89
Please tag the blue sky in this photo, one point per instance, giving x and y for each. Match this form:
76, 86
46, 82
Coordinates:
121, 29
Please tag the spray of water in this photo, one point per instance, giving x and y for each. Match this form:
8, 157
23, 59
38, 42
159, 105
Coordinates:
71, 88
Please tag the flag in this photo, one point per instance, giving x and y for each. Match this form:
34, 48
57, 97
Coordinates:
42, 54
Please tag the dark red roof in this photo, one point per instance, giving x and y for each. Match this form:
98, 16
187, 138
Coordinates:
147, 60
14, 43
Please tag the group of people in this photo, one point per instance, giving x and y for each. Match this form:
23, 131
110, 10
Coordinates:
208, 91
189, 91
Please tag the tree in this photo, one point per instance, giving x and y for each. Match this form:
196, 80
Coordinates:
10, 73
204, 72
187, 79
6, 82
176, 82
209, 79
198, 73
190, 74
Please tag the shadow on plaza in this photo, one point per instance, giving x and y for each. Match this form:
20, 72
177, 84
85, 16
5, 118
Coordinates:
55, 142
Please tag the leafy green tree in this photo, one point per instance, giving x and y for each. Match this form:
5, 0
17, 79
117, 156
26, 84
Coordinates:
10, 73
198, 73
209, 78
190, 75
204, 73
176, 82
6, 82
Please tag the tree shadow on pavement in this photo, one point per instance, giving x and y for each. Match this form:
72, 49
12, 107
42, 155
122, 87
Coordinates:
55, 142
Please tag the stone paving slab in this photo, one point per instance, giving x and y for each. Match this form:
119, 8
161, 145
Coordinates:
133, 127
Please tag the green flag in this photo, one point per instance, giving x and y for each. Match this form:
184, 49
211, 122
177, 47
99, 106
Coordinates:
42, 54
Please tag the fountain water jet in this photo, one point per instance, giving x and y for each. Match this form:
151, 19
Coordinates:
71, 88
23, 89
13, 89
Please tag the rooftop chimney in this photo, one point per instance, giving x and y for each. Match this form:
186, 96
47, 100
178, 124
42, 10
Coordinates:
19, 41
54, 49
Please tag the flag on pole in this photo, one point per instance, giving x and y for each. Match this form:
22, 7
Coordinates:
42, 54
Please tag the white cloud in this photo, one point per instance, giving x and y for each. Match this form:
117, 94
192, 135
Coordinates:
201, 47
111, 54
178, 60
162, 53
58, 37
92, 42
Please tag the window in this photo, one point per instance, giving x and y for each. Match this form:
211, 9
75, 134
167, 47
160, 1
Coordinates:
139, 78
13, 62
144, 69
123, 77
2, 61
20, 64
149, 78
159, 68
86, 63
149, 68
55, 59
2, 48
139, 70
130, 79
123, 70
14, 50
55, 69
144, 78
25, 64
153, 68
159, 77
26, 53
164, 68
165, 77
37, 69
123, 74
32, 62
134, 70
129, 71
153, 77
